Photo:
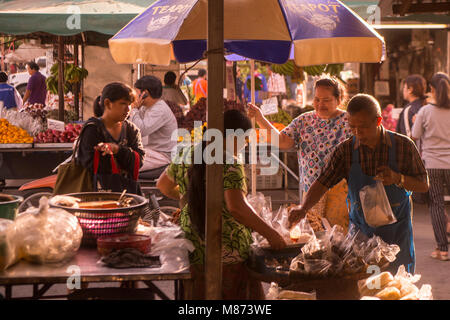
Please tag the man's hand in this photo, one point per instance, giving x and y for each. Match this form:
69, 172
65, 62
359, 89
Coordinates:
254, 111
295, 215
387, 176
107, 148
139, 100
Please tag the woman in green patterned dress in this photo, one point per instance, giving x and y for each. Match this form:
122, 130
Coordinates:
239, 219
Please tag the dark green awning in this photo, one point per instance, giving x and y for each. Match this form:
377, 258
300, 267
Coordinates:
67, 18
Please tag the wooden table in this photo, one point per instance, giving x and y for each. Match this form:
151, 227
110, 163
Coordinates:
84, 265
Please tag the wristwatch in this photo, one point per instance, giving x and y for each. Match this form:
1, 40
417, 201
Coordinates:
401, 184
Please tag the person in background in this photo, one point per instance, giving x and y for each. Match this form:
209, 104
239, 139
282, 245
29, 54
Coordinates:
112, 134
315, 135
183, 180
260, 86
388, 121
374, 153
36, 88
173, 96
171, 92
239, 87
414, 88
8, 94
13, 68
200, 86
432, 127
156, 121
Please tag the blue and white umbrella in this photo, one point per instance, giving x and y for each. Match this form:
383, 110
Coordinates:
311, 32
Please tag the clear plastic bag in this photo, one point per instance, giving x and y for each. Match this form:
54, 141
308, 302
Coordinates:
9, 253
375, 205
301, 232
47, 235
318, 267
425, 292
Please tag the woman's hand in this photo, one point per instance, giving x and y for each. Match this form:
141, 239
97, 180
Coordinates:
254, 111
276, 241
295, 215
107, 148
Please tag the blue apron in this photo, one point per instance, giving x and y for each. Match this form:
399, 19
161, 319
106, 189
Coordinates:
399, 233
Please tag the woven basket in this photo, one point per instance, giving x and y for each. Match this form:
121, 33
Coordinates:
97, 223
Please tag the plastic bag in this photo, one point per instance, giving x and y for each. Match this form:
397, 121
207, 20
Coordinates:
375, 205
262, 205
378, 252
301, 232
272, 293
9, 253
47, 235
319, 267
425, 292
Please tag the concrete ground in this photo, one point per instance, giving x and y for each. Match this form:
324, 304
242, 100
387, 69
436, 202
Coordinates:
433, 272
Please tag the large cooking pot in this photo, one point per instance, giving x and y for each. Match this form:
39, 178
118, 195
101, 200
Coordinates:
9, 205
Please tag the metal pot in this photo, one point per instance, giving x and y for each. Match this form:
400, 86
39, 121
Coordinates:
8, 209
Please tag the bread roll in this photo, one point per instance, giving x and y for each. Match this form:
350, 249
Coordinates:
411, 296
370, 298
389, 293
374, 284
296, 295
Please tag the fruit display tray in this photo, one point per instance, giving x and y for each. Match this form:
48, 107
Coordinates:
53, 145
15, 145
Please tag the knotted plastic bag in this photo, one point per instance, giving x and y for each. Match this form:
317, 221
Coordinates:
375, 205
8, 250
47, 235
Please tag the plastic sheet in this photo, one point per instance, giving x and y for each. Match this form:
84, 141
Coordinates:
22, 120
169, 244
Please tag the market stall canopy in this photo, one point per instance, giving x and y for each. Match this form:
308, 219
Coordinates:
317, 32
26, 52
67, 18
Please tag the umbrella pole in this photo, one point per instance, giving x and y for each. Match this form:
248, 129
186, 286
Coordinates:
214, 172
61, 78
253, 145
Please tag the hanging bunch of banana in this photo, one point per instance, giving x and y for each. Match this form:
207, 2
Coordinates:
72, 74
298, 73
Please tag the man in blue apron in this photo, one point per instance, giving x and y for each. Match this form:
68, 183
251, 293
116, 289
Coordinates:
374, 153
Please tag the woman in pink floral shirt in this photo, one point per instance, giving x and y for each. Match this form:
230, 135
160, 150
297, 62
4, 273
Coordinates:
314, 134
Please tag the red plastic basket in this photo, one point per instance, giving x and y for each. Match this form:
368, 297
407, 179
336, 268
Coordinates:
97, 223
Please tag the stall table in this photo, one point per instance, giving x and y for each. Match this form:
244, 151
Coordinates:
85, 262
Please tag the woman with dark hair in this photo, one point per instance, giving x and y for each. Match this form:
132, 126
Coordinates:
432, 126
239, 219
315, 134
414, 89
113, 140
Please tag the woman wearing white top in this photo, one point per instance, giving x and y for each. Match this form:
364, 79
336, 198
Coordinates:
432, 127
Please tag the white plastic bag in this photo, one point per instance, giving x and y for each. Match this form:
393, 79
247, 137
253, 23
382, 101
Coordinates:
47, 235
9, 253
375, 205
